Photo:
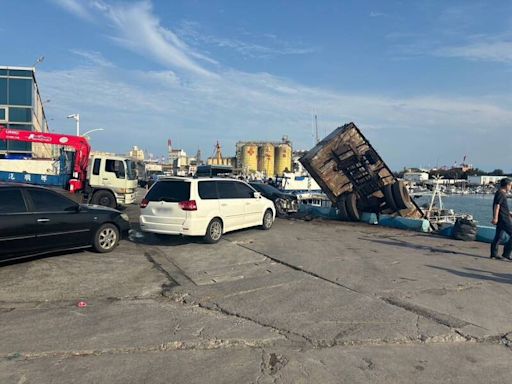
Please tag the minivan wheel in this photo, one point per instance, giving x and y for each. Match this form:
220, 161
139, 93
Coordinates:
213, 232
268, 220
106, 238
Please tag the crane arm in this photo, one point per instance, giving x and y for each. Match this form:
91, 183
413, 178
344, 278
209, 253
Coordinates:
79, 143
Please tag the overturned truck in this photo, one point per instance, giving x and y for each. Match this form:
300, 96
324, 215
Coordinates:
355, 178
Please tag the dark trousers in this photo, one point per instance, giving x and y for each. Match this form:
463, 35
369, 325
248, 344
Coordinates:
502, 228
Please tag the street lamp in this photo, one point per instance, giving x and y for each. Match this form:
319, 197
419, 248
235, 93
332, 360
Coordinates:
92, 130
76, 117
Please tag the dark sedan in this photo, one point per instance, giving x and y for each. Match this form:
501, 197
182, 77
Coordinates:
36, 220
285, 203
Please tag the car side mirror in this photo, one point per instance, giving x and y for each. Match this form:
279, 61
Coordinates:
257, 195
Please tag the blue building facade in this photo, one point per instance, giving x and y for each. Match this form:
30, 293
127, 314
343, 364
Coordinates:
21, 108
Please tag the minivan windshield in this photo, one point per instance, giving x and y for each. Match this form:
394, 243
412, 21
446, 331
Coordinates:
171, 191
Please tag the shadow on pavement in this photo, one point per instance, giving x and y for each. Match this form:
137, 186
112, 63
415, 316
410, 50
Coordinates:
406, 244
479, 274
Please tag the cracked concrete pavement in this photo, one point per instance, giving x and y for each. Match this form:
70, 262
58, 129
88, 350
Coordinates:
306, 302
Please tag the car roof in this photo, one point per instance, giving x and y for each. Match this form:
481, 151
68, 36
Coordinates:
5, 184
191, 179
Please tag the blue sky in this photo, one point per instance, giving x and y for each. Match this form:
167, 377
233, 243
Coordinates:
427, 81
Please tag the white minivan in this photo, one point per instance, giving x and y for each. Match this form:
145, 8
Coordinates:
205, 207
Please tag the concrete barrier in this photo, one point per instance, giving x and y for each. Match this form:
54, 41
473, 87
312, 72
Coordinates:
419, 225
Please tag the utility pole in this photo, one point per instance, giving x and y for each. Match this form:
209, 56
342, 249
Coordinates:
316, 130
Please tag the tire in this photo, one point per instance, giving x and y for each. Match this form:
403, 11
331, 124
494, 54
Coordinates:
213, 231
104, 198
342, 208
401, 196
268, 220
388, 197
106, 238
351, 205
280, 211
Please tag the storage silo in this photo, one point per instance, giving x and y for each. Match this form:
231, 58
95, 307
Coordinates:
266, 159
250, 157
283, 159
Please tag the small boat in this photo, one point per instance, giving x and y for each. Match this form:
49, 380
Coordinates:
437, 214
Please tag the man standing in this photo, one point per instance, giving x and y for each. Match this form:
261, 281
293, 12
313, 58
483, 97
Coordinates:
502, 219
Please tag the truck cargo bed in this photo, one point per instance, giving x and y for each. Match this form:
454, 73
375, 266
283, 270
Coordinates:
355, 178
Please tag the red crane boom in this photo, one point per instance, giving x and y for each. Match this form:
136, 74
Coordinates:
79, 143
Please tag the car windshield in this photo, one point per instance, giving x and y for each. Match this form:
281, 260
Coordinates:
264, 188
131, 170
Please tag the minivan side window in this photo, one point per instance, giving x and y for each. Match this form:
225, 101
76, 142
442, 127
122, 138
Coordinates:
208, 190
227, 190
171, 191
11, 201
234, 190
244, 191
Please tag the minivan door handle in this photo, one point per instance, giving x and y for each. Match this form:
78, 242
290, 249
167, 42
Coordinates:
43, 220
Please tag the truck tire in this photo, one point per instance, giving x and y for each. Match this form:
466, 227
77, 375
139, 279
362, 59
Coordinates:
388, 197
105, 198
401, 196
342, 208
351, 205
106, 238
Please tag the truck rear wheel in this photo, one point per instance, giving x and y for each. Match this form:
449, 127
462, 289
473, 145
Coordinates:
105, 198
401, 196
342, 208
351, 204
388, 197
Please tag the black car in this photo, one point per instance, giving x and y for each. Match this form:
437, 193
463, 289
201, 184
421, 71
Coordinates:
36, 220
285, 203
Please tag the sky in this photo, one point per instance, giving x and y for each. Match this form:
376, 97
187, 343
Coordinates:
428, 82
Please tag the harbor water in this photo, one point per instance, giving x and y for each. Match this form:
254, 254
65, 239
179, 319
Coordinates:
479, 206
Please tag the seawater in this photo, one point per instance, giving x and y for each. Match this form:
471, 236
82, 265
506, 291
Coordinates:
480, 206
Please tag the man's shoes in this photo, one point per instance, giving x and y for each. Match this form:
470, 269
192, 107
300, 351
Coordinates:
496, 257
507, 257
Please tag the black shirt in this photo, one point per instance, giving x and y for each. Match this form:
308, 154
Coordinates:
501, 198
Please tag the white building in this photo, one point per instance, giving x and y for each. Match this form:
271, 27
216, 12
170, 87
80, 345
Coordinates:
417, 177
484, 180
136, 153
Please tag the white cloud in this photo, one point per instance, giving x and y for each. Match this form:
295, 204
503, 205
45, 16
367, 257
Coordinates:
140, 31
93, 57
496, 51
76, 7
275, 46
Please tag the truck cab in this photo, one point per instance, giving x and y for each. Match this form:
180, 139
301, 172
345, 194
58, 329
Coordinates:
112, 180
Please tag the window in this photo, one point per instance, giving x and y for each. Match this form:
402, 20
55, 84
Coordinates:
3, 72
46, 201
2, 114
20, 115
96, 167
208, 190
20, 73
20, 92
115, 166
11, 201
228, 190
3, 91
172, 191
244, 191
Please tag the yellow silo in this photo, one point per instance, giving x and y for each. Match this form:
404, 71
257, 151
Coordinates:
266, 159
283, 159
250, 157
